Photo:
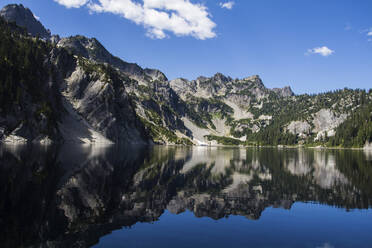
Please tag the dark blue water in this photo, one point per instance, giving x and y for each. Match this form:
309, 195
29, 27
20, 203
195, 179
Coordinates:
82, 196
305, 225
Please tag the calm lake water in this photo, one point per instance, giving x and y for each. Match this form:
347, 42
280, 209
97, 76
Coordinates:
184, 197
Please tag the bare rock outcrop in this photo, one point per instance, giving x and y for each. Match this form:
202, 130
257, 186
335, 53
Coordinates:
325, 121
302, 128
23, 17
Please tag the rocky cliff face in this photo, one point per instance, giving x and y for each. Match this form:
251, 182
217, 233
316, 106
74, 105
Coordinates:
101, 98
99, 109
23, 17
66, 98
92, 49
284, 92
223, 102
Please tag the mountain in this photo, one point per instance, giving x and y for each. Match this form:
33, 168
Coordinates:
23, 17
74, 90
93, 50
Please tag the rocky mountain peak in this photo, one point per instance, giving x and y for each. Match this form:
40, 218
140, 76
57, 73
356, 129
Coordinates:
287, 91
23, 17
254, 78
221, 78
84, 102
81, 45
92, 49
87, 47
284, 92
155, 74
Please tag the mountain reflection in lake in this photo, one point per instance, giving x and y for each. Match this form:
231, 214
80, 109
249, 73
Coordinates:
76, 196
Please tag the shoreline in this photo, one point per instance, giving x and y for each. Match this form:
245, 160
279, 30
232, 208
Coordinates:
278, 147
366, 148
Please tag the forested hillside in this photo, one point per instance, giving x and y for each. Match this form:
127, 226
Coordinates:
356, 130
24, 75
73, 90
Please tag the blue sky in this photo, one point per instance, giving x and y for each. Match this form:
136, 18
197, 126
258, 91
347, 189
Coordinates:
311, 45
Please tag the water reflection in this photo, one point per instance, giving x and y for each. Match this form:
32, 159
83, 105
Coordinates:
71, 196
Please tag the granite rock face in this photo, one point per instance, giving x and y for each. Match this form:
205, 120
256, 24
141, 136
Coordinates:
220, 98
299, 127
284, 92
77, 100
92, 49
96, 97
102, 108
25, 18
325, 120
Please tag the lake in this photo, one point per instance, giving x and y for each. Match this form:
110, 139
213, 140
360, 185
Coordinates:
93, 196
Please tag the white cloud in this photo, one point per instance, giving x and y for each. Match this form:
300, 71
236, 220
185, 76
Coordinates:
324, 51
36, 17
180, 17
367, 31
72, 3
227, 5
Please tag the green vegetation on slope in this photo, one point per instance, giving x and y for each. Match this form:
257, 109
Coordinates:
202, 111
21, 66
356, 130
24, 71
